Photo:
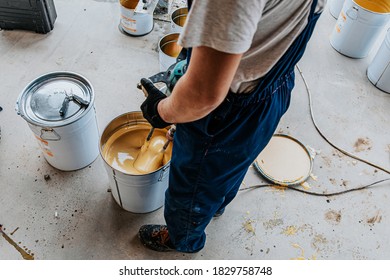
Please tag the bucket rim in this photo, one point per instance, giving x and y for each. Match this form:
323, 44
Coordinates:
162, 168
367, 10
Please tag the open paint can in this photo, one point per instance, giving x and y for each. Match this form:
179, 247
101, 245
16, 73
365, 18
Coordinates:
135, 19
120, 145
359, 25
168, 50
59, 109
284, 161
178, 19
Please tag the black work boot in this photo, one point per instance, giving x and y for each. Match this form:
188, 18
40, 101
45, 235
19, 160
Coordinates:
156, 237
219, 213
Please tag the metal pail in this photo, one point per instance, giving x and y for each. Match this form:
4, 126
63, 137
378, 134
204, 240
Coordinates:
141, 193
378, 72
168, 50
59, 109
335, 7
178, 19
359, 25
132, 22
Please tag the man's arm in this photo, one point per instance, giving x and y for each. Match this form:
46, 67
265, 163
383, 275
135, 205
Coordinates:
203, 87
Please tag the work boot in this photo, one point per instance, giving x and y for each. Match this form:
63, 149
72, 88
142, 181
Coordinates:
219, 213
156, 237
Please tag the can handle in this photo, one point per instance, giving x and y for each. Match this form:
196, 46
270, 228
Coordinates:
163, 171
49, 134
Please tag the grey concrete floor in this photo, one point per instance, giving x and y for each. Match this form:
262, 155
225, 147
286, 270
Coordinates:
264, 223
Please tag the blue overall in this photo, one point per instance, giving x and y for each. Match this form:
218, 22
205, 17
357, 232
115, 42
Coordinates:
211, 156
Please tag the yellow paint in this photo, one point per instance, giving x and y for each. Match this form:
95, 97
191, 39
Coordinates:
125, 145
305, 186
377, 6
172, 49
180, 20
302, 256
22, 252
290, 230
130, 4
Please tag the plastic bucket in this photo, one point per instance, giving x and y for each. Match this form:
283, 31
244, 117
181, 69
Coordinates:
134, 23
168, 50
359, 25
59, 109
140, 193
335, 7
378, 72
178, 19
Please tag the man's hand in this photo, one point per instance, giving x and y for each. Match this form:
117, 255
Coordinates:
149, 107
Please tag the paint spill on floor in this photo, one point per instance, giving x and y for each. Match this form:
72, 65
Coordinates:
24, 254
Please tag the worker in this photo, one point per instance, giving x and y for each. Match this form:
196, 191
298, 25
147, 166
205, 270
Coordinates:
226, 106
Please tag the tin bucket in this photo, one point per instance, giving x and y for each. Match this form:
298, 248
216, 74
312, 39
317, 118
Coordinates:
359, 25
140, 193
59, 109
132, 22
335, 7
168, 50
378, 72
178, 19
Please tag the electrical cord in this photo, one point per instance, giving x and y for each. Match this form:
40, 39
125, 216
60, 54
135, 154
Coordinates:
334, 146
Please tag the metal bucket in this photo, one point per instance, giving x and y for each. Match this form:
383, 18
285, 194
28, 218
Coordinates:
59, 109
132, 22
335, 7
135, 193
178, 19
168, 50
359, 25
378, 72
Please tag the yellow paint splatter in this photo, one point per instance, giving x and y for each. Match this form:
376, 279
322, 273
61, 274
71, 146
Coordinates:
314, 177
290, 230
305, 186
302, 256
248, 226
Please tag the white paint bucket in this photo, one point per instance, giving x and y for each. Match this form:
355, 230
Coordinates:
59, 109
135, 23
178, 19
378, 71
358, 26
335, 7
140, 193
168, 50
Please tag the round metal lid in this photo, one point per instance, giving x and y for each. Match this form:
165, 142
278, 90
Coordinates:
284, 161
55, 99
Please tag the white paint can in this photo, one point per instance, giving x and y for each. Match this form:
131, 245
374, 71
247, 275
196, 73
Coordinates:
135, 20
137, 193
168, 50
335, 7
378, 72
178, 19
59, 109
358, 26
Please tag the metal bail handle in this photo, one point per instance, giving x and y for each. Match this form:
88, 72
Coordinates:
49, 134
163, 171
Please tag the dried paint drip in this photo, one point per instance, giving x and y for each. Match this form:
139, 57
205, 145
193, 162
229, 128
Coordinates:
24, 254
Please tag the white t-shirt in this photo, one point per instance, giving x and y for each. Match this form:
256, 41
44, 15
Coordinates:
260, 29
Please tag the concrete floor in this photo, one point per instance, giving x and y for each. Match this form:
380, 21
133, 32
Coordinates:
261, 223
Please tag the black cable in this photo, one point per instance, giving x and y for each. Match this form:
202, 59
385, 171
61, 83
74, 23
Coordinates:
314, 193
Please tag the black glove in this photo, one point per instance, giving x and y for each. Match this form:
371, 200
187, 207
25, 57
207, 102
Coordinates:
149, 107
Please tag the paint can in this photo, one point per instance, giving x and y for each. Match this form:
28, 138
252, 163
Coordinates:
358, 26
137, 193
135, 20
378, 72
284, 161
335, 7
168, 50
59, 109
178, 19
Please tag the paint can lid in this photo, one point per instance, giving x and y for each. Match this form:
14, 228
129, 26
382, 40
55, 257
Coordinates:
284, 161
55, 99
